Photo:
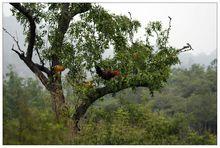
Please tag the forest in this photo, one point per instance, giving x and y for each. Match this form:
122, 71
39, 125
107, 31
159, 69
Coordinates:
183, 112
82, 95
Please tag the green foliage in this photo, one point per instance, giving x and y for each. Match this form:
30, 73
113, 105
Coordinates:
136, 124
185, 112
132, 117
177, 118
27, 115
88, 37
192, 92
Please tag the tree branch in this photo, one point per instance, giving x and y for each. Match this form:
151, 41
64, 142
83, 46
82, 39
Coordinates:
80, 8
168, 30
44, 69
16, 41
21, 55
63, 24
32, 28
35, 68
188, 47
41, 60
94, 95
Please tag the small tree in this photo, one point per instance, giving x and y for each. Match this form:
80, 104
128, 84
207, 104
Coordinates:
75, 35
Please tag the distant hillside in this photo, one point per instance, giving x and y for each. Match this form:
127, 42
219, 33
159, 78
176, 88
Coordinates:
188, 59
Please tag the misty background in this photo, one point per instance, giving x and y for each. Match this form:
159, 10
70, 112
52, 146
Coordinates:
193, 23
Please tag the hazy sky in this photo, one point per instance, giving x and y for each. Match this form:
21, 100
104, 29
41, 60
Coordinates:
193, 23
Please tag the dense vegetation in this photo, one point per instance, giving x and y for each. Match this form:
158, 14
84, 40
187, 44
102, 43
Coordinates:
75, 37
183, 112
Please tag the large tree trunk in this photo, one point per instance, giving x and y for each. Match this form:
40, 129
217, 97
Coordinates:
60, 106
52, 81
58, 100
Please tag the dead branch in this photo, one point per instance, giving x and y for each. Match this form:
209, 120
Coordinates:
21, 55
188, 47
41, 60
16, 41
32, 28
44, 69
168, 30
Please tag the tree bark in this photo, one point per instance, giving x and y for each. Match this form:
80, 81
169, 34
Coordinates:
58, 99
56, 91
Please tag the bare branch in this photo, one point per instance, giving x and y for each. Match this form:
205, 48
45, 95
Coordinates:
16, 41
188, 47
41, 60
130, 31
18, 53
130, 15
168, 30
32, 28
35, 68
9, 34
21, 55
44, 69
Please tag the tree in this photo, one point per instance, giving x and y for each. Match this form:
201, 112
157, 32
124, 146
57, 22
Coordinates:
27, 111
75, 35
192, 92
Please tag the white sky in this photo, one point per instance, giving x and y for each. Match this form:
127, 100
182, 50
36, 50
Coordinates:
194, 23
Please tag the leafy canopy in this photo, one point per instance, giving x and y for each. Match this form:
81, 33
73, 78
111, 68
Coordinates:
88, 37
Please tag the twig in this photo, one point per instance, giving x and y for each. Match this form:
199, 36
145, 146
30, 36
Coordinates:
16, 41
41, 60
168, 30
15, 51
130, 31
188, 47
130, 15
21, 55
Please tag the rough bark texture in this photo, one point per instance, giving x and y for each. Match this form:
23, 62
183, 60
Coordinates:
58, 99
